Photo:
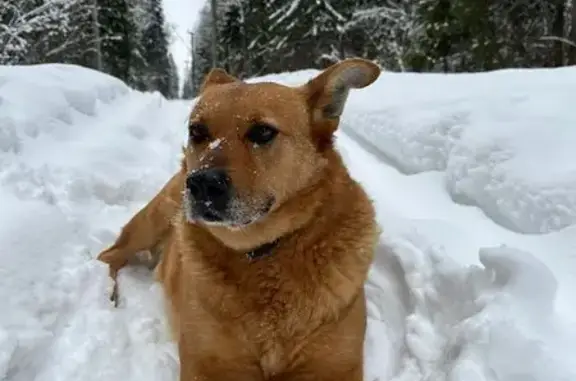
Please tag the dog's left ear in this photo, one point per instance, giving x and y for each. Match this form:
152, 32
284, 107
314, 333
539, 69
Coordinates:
217, 76
327, 93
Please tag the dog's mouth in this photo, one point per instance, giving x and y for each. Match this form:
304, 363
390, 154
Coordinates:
209, 211
236, 215
251, 218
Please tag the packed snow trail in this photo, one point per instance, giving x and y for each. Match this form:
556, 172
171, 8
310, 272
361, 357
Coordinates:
445, 301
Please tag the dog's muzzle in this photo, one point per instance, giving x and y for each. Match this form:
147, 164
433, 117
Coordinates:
211, 191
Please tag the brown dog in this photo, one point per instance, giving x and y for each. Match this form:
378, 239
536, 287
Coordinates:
266, 240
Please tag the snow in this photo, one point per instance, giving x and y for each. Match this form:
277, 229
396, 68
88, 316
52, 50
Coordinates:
66, 187
471, 175
504, 142
215, 144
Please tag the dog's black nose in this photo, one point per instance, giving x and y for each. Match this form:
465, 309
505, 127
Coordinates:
210, 189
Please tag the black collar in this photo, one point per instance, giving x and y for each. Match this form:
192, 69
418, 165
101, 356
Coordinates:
262, 251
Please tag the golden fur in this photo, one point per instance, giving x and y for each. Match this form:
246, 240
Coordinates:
299, 312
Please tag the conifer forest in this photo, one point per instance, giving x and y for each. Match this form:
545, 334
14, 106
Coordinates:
130, 39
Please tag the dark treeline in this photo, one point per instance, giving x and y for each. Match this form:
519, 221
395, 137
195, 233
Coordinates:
125, 38
256, 37
129, 39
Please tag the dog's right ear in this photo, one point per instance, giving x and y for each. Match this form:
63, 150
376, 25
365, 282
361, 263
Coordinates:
326, 94
217, 76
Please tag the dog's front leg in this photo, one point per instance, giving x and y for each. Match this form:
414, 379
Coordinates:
147, 229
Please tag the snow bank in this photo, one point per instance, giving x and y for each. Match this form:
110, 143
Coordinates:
453, 296
490, 322
505, 139
44, 99
79, 153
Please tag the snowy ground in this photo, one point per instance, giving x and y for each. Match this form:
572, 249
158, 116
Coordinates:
473, 176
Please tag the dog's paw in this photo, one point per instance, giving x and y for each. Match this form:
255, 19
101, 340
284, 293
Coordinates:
108, 256
115, 259
115, 262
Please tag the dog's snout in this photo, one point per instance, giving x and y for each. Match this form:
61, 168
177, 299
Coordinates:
208, 184
210, 189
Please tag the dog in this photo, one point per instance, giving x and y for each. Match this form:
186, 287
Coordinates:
265, 239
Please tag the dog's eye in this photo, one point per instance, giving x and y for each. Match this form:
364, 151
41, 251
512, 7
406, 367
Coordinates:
261, 134
198, 133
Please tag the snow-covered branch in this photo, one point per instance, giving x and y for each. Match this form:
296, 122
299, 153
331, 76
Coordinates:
390, 31
29, 24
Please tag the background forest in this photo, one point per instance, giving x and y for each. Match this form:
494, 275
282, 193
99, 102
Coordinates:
130, 39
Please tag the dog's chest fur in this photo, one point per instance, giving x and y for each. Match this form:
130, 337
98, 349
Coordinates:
275, 295
302, 283
270, 306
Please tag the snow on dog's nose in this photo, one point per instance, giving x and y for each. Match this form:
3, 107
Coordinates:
210, 190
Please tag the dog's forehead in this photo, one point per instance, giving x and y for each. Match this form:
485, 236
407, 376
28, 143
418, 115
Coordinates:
243, 102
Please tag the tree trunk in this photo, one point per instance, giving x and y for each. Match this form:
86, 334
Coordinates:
96, 33
558, 32
214, 34
573, 33
246, 67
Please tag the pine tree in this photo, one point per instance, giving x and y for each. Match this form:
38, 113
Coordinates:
233, 40
440, 33
201, 54
304, 31
174, 79
257, 37
79, 46
253, 54
558, 27
44, 31
572, 34
116, 30
389, 32
187, 88
188, 80
155, 51
140, 15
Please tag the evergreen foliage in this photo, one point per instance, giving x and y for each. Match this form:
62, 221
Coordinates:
130, 40
158, 72
116, 31
258, 37
125, 38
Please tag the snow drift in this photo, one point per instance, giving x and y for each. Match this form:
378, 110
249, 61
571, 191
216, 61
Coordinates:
505, 140
455, 292
79, 153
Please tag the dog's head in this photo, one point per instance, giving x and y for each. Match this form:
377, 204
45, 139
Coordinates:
254, 146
